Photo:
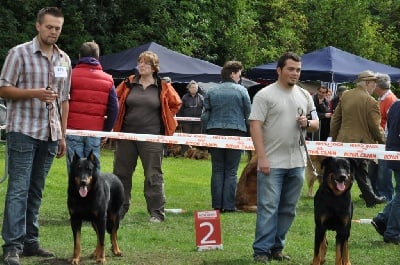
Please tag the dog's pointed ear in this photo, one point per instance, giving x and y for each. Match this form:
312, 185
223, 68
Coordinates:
75, 157
92, 157
325, 162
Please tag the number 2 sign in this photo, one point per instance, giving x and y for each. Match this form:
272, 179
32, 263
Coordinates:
208, 230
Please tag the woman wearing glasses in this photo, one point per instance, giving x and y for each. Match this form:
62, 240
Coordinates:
147, 105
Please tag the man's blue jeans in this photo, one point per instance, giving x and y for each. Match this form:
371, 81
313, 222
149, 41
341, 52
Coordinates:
381, 179
277, 197
82, 145
225, 163
29, 163
391, 212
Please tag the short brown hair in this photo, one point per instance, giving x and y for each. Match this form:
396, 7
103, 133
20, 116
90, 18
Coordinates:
229, 68
89, 49
286, 56
150, 57
54, 11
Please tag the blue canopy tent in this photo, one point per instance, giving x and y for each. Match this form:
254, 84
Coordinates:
328, 65
177, 66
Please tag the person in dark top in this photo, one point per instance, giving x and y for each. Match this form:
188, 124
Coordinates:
387, 222
335, 101
324, 114
192, 106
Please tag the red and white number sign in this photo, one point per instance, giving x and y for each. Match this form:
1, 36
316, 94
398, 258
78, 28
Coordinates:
208, 230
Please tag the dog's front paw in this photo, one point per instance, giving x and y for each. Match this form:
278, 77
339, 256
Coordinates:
115, 249
101, 260
117, 252
75, 261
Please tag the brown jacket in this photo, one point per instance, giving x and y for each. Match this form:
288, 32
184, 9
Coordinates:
357, 119
170, 105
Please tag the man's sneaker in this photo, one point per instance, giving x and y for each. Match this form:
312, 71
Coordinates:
154, 219
38, 252
11, 258
265, 259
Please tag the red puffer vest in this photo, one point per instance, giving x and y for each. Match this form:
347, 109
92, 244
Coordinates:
90, 89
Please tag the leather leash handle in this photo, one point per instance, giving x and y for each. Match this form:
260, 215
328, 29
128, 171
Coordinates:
303, 142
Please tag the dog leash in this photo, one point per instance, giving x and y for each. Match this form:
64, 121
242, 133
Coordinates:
303, 142
50, 106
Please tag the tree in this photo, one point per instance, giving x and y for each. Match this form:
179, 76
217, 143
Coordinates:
350, 26
252, 31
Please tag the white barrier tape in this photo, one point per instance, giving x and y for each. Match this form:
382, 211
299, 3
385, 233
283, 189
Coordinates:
322, 144
187, 119
232, 142
354, 150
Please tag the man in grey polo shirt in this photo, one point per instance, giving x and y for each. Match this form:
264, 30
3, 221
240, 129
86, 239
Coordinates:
275, 127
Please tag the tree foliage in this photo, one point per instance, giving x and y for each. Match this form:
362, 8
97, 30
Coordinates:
252, 31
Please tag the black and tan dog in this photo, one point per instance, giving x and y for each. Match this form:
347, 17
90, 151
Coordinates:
333, 209
96, 198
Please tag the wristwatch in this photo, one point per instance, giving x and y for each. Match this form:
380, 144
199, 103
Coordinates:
308, 123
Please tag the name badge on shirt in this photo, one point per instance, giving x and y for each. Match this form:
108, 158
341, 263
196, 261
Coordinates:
60, 71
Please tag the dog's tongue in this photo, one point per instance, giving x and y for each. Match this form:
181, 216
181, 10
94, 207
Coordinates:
340, 186
83, 191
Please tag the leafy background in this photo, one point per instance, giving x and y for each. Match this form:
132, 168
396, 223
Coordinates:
252, 31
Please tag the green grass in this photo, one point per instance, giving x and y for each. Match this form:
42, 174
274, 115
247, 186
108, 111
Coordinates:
187, 185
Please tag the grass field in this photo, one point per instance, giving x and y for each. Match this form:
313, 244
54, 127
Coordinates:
187, 185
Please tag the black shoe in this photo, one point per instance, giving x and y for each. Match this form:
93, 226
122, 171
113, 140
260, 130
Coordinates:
379, 226
392, 240
11, 258
377, 200
279, 256
228, 210
38, 252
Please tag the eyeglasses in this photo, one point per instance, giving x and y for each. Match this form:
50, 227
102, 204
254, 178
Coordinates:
144, 63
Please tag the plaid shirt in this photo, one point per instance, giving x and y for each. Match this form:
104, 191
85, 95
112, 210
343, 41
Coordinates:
27, 67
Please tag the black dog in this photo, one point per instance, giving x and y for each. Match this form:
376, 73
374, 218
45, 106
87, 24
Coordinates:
96, 198
333, 209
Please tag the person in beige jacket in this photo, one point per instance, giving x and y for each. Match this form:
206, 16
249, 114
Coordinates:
357, 120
